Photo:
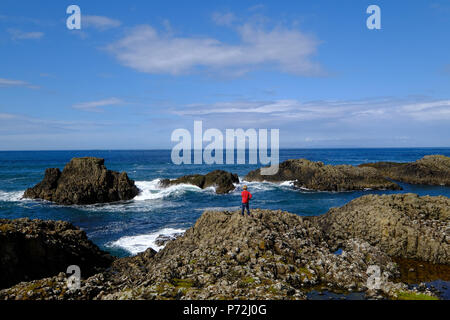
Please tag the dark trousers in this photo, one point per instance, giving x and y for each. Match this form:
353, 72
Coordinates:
246, 206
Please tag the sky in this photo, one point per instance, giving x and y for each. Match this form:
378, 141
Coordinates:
138, 70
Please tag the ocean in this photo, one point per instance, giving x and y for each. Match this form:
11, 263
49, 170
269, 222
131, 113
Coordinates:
127, 228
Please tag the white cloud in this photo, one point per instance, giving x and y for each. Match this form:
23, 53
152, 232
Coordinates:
99, 22
17, 34
287, 50
94, 106
16, 83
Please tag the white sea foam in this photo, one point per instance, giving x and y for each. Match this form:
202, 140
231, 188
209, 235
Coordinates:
150, 190
140, 243
265, 185
287, 183
11, 196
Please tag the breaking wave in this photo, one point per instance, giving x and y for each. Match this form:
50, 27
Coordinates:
140, 243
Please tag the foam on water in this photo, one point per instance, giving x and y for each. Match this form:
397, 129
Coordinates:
258, 186
11, 196
151, 190
140, 243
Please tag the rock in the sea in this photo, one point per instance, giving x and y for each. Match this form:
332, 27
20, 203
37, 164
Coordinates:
431, 170
223, 181
83, 181
318, 176
34, 249
401, 225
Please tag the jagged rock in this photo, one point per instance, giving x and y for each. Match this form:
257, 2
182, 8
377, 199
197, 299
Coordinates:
431, 170
83, 181
402, 225
274, 255
223, 181
318, 176
33, 249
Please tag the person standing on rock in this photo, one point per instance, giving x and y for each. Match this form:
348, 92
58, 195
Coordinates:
246, 196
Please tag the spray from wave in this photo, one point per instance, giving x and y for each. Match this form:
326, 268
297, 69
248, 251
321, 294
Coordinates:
151, 190
11, 196
140, 243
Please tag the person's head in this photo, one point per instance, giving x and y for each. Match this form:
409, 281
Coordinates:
244, 187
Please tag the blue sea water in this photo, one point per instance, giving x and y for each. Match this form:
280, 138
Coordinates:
127, 228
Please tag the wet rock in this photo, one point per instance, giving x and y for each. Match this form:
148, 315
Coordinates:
223, 181
431, 170
162, 239
83, 181
318, 176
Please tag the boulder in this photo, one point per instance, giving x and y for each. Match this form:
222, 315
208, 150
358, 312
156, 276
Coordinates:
318, 176
223, 181
83, 181
401, 225
34, 249
431, 170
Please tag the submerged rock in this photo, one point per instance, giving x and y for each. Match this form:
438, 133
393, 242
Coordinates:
34, 249
318, 176
431, 170
83, 181
223, 181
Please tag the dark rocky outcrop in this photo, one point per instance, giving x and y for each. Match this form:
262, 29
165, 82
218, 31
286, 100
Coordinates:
274, 255
33, 249
431, 170
318, 176
401, 225
83, 181
223, 181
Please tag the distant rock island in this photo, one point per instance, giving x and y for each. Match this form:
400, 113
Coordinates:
83, 181
222, 181
431, 170
272, 255
320, 177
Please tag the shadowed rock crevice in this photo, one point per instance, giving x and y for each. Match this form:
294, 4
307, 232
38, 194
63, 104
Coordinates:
83, 181
33, 249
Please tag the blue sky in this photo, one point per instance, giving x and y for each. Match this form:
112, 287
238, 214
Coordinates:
137, 70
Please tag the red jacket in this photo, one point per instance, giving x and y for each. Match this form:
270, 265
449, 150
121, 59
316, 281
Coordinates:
246, 196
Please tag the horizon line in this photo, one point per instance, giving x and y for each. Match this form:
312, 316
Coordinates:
246, 149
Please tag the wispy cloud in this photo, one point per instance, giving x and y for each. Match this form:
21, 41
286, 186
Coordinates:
100, 23
284, 49
16, 83
17, 34
95, 106
326, 110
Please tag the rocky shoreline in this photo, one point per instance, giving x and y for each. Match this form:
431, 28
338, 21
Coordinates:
430, 170
87, 181
320, 177
275, 255
34, 249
